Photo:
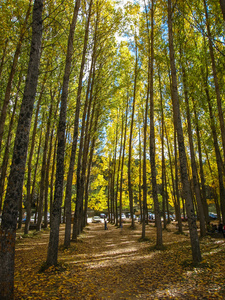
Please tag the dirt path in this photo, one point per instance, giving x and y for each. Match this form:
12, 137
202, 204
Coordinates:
109, 264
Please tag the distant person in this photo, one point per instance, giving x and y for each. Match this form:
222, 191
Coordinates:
209, 227
224, 231
220, 228
105, 221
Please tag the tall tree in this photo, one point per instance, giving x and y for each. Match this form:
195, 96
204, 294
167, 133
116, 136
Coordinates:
193, 161
152, 139
52, 256
79, 198
15, 182
216, 82
131, 136
196, 254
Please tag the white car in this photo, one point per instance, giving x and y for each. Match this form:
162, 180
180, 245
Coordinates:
96, 219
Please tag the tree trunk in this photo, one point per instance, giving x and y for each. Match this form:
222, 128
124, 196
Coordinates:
176, 200
7, 147
203, 189
15, 182
217, 88
90, 129
196, 254
218, 155
122, 161
152, 139
145, 213
75, 137
222, 5
130, 141
193, 162
52, 255
3, 56
140, 170
163, 157
29, 165
43, 171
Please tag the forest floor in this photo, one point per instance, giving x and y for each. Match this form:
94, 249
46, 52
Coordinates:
116, 264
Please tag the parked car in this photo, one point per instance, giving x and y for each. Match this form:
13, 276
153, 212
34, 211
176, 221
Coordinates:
96, 219
212, 216
123, 216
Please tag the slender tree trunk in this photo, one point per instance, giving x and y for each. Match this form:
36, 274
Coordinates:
196, 254
145, 134
7, 147
43, 171
176, 201
140, 171
217, 88
222, 5
164, 194
52, 255
89, 173
118, 173
203, 189
52, 181
122, 160
15, 182
29, 165
218, 156
115, 212
48, 164
3, 56
90, 129
215, 185
75, 137
152, 139
196, 187
80, 183
131, 138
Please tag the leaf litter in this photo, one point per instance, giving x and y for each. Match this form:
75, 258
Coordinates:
115, 264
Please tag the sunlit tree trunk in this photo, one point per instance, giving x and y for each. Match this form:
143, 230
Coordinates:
131, 138
176, 200
193, 161
163, 155
217, 88
196, 254
118, 173
43, 187
152, 139
122, 160
203, 189
15, 181
29, 165
145, 212
74, 144
114, 200
52, 255
7, 146
140, 172
218, 155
